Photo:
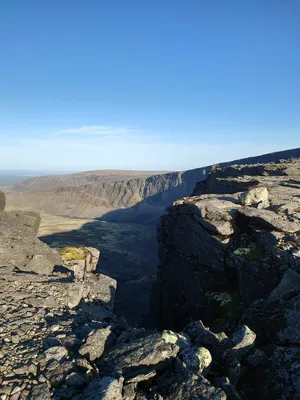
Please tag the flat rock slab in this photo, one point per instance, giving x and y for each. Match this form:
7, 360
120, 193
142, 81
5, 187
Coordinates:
269, 220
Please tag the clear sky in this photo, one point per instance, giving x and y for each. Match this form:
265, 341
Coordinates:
146, 84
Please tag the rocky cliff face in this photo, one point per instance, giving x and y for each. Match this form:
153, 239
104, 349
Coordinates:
141, 199
230, 254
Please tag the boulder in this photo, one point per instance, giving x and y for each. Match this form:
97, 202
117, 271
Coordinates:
289, 285
194, 388
19, 223
80, 260
279, 377
241, 342
97, 341
196, 359
29, 219
145, 353
19, 251
267, 219
107, 388
255, 196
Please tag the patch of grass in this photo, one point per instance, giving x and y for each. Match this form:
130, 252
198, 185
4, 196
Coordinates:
73, 253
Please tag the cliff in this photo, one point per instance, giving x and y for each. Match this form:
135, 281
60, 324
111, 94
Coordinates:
230, 254
140, 200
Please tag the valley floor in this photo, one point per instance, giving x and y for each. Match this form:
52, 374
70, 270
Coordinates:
128, 254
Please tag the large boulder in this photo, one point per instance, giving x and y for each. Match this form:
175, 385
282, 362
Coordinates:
30, 220
19, 223
27, 253
146, 354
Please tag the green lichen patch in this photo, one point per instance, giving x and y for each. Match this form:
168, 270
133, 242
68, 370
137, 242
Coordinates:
73, 253
226, 307
254, 252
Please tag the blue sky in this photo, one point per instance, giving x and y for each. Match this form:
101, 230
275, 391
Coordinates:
160, 84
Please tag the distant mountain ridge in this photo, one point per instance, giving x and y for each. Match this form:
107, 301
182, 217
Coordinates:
79, 178
140, 199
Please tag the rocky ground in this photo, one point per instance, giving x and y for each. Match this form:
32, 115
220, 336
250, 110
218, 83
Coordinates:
60, 340
230, 254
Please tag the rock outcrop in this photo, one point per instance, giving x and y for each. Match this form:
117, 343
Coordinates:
230, 255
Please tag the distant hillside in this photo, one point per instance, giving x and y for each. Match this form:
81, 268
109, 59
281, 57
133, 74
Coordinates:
141, 199
80, 178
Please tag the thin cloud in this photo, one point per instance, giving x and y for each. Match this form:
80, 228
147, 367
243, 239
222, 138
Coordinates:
98, 130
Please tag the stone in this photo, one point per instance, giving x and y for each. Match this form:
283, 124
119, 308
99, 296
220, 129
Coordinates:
180, 339
280, 377
29, 219
97, 341
224, 383
149, 351
39, 264
202, 336
56, 353
40, 392
195, 388
256, 357
254, 197
75, 294
268, 219
19, 250
242, 341
107, 388
196, 359
80, 260
289, 284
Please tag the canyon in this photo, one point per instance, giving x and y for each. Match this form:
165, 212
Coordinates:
228, 258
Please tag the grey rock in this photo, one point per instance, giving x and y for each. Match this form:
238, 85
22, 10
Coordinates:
255, 196
256, 357
28, 219
202, 336
19, 250
107, 388
196, 359
129, 391
242, 341
56, 353
224, 383
149, 351
269, 220
280, 377
40, 392
234, 369
97, 341
195, 388
290, 284
290, 333
39, 264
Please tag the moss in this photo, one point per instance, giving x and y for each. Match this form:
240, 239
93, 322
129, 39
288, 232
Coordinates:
226, 306
73, 253
253, 252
